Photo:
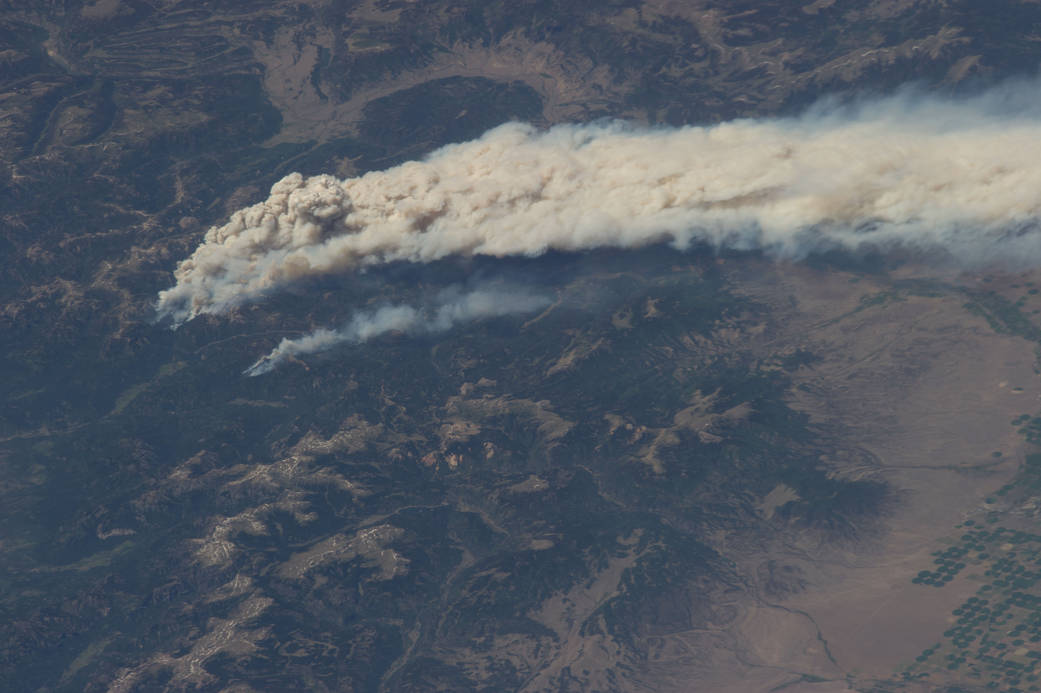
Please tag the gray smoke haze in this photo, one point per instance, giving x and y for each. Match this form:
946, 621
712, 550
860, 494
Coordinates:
959, 177
449, 308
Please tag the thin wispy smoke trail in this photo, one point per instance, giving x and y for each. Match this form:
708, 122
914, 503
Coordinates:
961, 177
449, 308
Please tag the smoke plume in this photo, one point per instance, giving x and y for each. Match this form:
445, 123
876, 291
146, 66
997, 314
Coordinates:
958, 177
449, 308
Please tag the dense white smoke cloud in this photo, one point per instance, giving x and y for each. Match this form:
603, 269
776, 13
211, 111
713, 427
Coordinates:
959, 176
449, 308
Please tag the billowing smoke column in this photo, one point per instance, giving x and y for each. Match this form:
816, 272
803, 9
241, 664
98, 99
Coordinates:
962, 176
449, 308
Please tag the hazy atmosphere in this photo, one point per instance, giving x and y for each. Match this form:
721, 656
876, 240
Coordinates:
601, 346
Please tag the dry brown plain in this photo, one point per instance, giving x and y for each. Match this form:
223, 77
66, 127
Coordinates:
923, 391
